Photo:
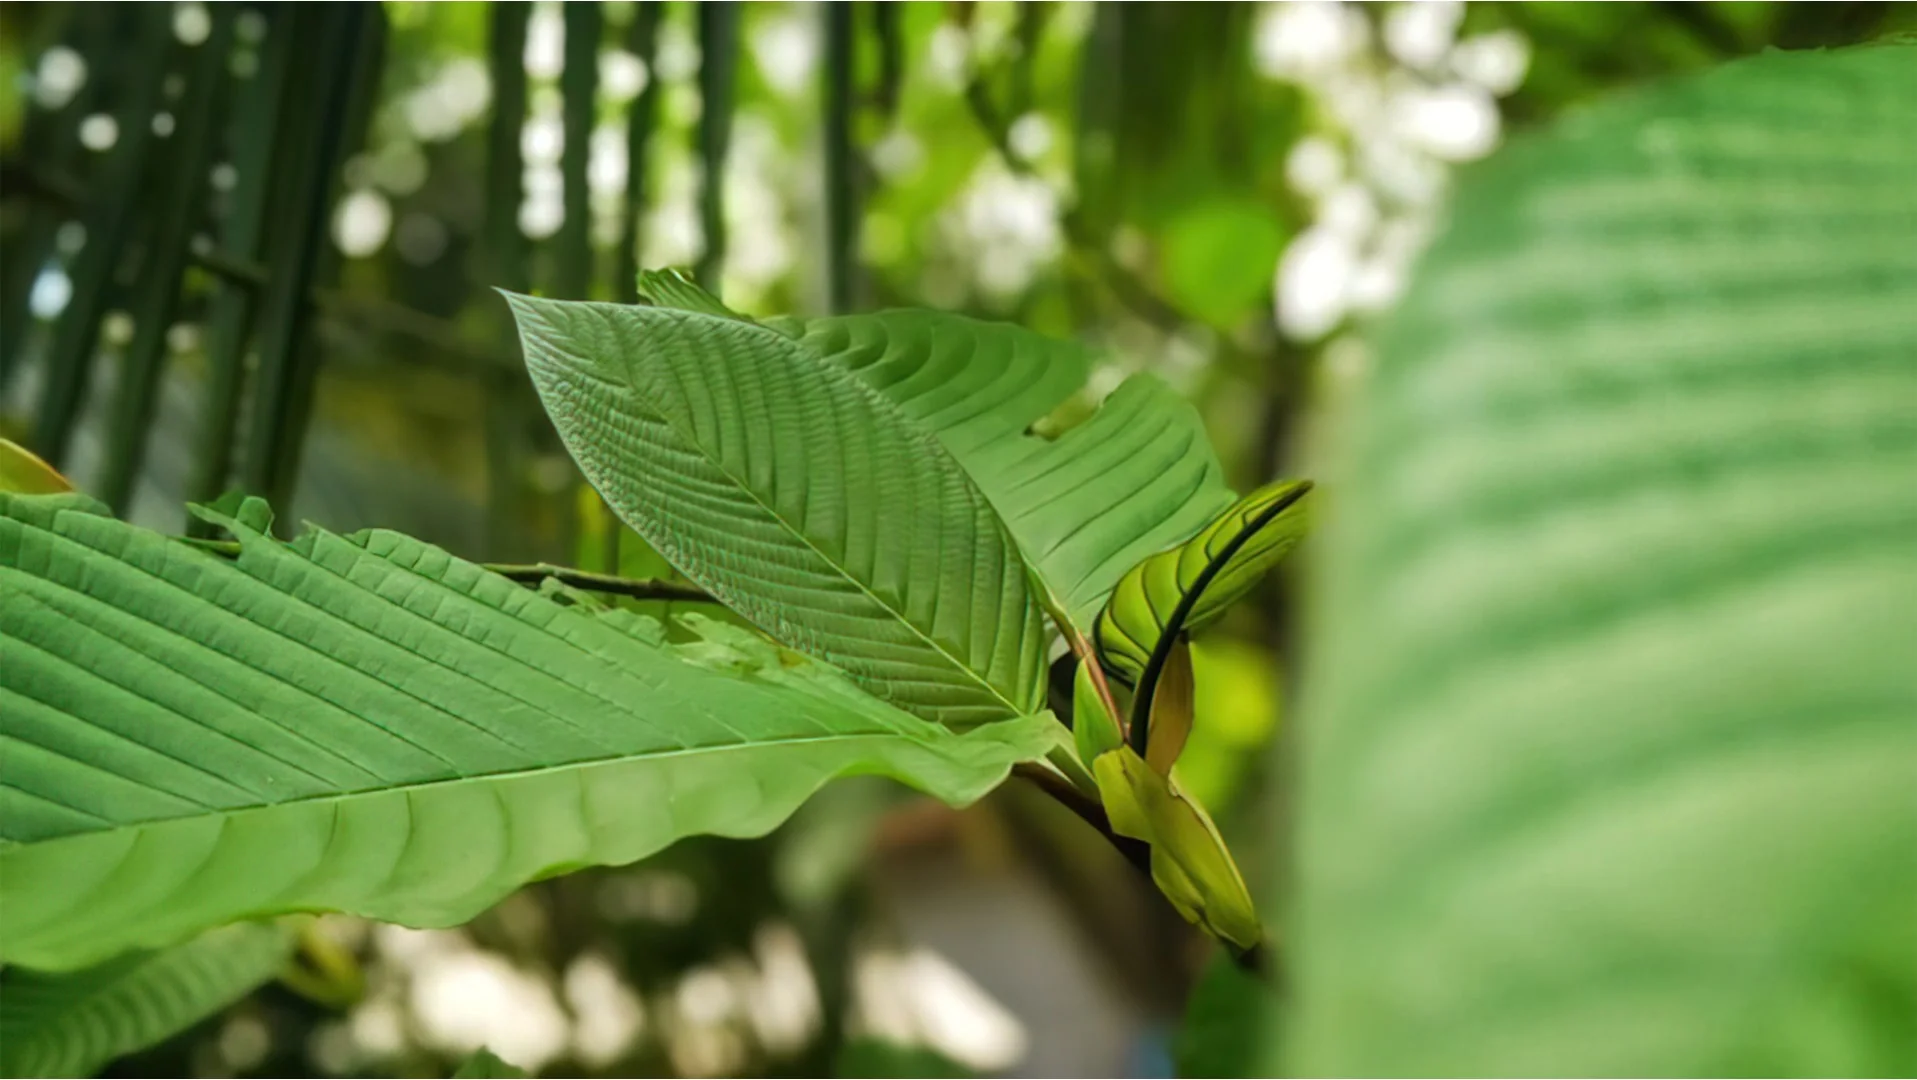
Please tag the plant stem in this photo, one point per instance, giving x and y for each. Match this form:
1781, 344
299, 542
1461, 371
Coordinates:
1089, 810
1083, 650
534, 573
635, 588
1065, 760
1080, 647
1254, 961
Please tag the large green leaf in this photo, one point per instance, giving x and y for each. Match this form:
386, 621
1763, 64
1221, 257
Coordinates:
367, 724
975, 383
1610, 761
1136, 477
1139, 475
73, 1023
803, 500
1188, 587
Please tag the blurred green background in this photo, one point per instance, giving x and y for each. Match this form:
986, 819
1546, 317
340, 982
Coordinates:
255, 245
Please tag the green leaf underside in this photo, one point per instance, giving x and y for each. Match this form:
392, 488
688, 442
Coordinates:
1610, 754
799, 497
1169, 715
1227, 1027
367, 724
1137, 476
73, 1023
1248, 537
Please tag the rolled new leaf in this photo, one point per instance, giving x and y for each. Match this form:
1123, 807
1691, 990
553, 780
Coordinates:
1169, 717
1185, 588
367, 724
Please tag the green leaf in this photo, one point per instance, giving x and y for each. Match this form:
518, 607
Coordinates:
486, 1065
1169, 716
1610, 766
673, 289
1186, 588
800, 498
72, 1024
1190, 862
370, 725
1138, 476
1227, 1024
23, 473
1094, 729
975, 383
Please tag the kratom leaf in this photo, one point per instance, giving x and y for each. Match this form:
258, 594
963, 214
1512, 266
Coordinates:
1094, 729
1170, 714
23, 473
977, 384
673, 289
1138, 476
1186, 588
800, 498
486, 1065
1610, 755
71, 1024
1190, 863
367, 724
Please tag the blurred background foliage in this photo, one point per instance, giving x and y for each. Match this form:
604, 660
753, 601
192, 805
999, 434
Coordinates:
254, 245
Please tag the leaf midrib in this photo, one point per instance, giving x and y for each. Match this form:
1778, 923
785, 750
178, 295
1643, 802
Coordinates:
580, 764
898, 616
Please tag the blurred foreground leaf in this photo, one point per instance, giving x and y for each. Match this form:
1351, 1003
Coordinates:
1225, 1023
1611, 760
